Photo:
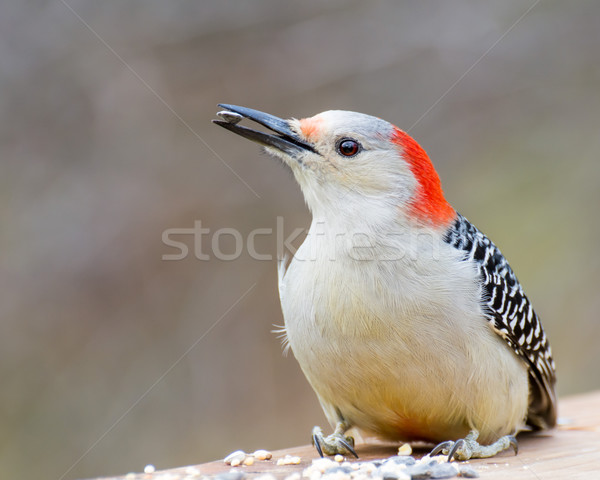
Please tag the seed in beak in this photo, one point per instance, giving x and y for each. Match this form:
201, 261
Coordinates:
229, 117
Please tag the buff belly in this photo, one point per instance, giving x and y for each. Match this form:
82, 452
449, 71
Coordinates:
412, 398
402, 364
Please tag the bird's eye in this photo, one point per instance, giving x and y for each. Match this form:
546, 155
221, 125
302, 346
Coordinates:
348, 147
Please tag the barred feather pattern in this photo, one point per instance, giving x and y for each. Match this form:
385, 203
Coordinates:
511, 316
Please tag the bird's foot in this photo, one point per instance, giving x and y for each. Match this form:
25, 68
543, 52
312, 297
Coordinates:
336, 443
467, 447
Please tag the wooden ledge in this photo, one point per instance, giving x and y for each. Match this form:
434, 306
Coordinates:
571, 451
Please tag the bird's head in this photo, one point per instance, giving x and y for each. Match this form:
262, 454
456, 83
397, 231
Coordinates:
347, 162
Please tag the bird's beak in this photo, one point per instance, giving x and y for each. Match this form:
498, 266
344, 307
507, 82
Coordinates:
286, 140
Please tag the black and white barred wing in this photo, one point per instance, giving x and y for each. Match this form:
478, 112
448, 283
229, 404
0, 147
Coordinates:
511, 315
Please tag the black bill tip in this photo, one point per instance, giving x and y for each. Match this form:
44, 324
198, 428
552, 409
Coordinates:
286, 139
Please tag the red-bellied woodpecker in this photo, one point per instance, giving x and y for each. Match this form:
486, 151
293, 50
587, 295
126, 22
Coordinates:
406, 320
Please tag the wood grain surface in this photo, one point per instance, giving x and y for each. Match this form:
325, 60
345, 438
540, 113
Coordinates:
571, 451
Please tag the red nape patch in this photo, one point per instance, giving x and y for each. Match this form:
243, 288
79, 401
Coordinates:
429, 203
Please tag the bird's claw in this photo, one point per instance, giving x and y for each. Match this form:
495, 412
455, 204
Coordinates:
468, 447
334, 444
460, 451
442, 448
512, 441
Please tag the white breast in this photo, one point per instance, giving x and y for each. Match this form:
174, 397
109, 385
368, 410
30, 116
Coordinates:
398, 344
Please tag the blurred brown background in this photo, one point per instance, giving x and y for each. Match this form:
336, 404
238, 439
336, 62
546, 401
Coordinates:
106, 141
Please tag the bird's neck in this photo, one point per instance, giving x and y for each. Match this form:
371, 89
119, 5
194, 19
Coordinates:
375, 216
381, 233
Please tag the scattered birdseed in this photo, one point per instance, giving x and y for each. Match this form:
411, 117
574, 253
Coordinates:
467, 472
231, 475
167, 476
319, 466
437, 458
289, 460
262, 455
235, 458
293, 476
398, 467
265, 476
149, 468
229, 117
368, 467
405, 450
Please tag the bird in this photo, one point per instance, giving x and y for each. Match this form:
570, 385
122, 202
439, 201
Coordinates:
407, 321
